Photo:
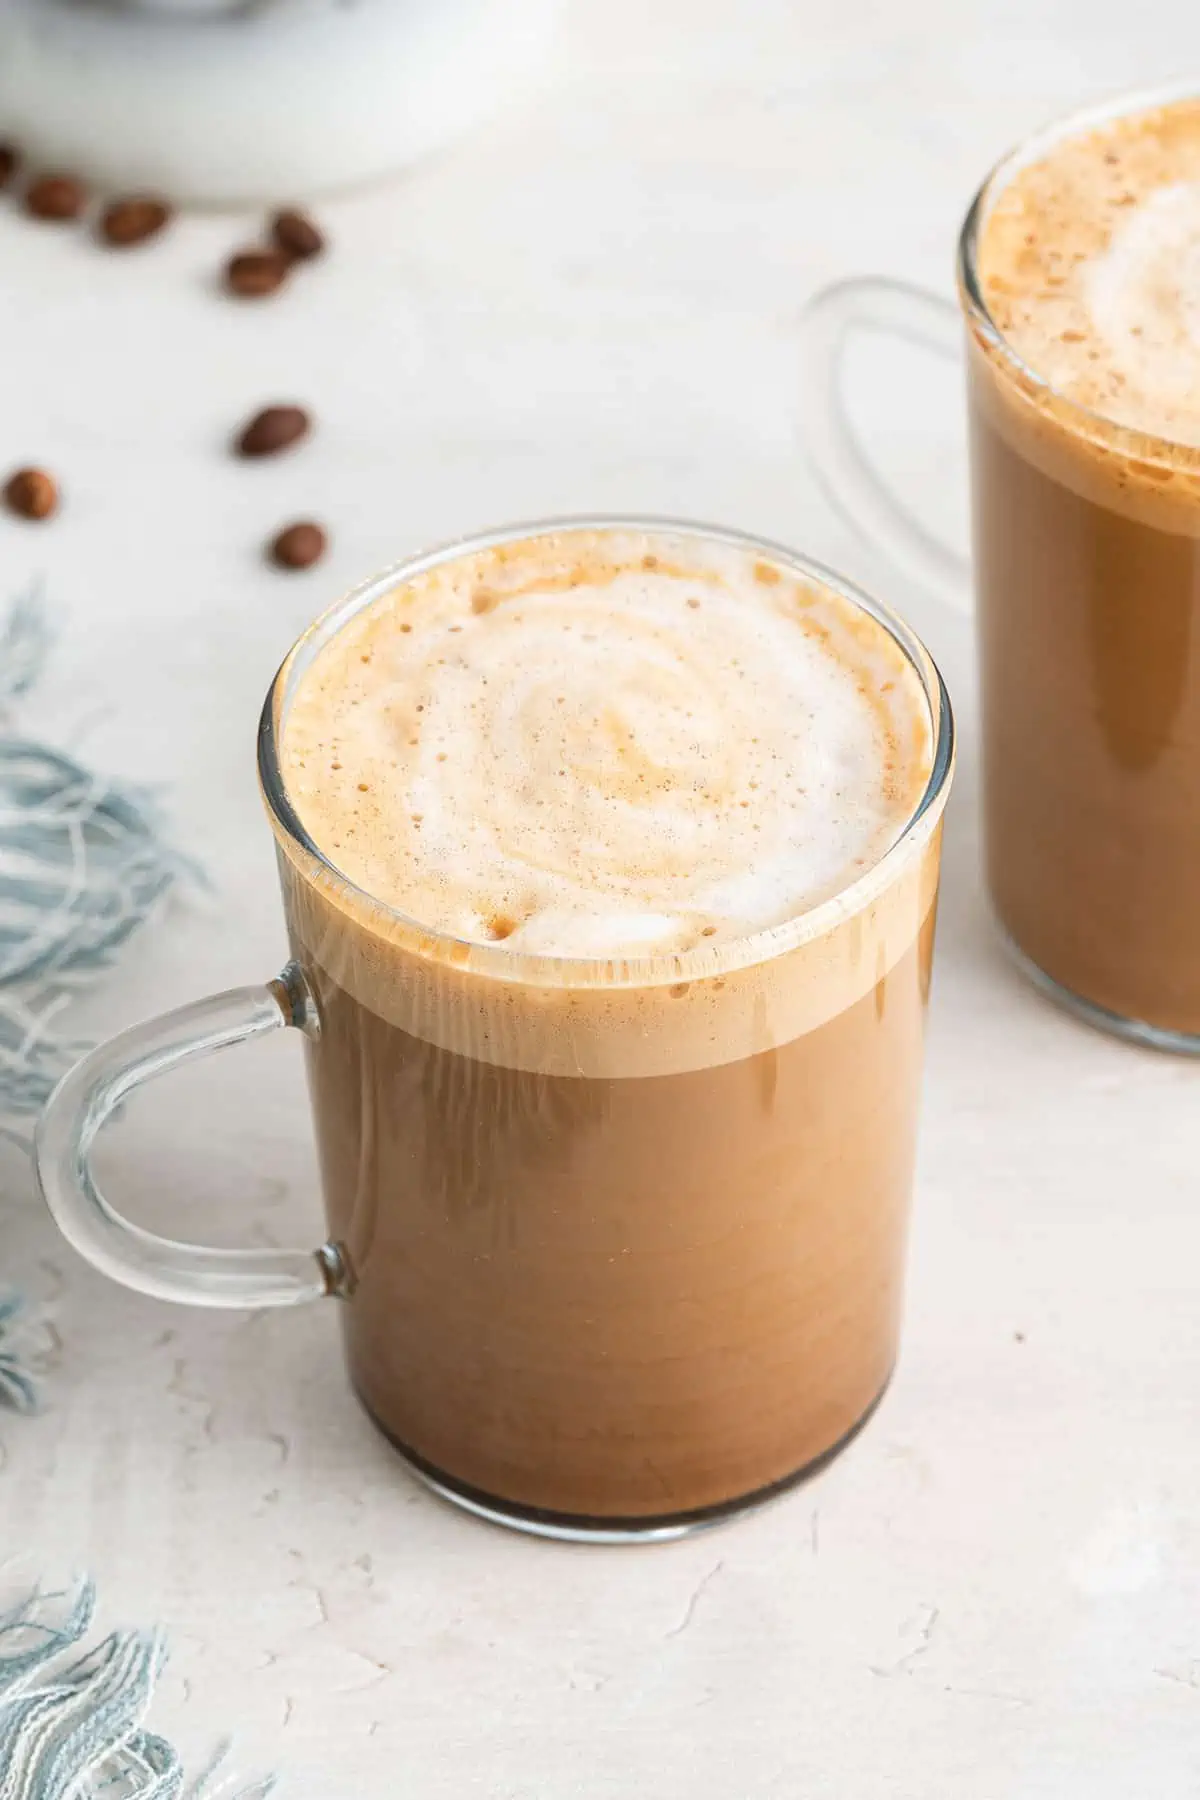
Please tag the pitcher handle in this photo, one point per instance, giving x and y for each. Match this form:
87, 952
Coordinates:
873, 303
88, 1095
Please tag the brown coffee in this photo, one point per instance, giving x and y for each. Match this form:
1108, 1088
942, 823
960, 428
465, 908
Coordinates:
616, 1107
1086, 469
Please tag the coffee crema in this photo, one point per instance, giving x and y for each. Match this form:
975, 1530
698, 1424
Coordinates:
1090, 266
598, 746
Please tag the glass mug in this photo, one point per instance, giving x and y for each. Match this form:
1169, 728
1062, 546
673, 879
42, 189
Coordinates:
1086, 537
609, 1283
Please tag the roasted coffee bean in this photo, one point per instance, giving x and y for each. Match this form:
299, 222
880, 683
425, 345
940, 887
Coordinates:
253, 274
55, 197
274, 429
296, 235
10, 162
133, 220
31, 494
298, 546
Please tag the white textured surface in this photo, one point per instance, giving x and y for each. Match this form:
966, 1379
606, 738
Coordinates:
996, 1593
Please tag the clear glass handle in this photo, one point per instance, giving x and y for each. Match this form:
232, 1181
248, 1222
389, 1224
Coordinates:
89, 1094
872, 303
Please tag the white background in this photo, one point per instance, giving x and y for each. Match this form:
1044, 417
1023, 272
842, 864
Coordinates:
591, 304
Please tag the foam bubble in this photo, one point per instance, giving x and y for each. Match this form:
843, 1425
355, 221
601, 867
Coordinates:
596, 745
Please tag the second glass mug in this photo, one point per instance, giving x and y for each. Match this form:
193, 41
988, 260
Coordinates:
581, 1295
1086, 541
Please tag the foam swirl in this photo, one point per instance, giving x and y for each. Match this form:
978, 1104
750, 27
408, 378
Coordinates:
1143, 294
597, 745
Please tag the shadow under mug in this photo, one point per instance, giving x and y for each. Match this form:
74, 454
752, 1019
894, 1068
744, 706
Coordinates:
1086, 539
619, 1246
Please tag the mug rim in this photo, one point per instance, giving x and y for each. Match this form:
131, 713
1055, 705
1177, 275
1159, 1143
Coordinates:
1145, 446
699, 962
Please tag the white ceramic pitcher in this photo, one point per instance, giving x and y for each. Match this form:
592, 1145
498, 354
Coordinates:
230, 101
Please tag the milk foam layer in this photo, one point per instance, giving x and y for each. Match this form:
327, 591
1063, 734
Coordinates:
1090, 266
602, 745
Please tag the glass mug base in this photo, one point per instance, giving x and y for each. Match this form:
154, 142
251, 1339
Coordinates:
1131, 1031
581, 1528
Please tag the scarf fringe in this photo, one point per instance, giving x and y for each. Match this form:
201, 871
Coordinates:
71, 1728
18, 1389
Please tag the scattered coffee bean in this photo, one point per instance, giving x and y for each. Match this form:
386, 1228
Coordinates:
55, 197
274, 429
10, 162
298, 546
133, 220
253, 274
296, 235
31, 494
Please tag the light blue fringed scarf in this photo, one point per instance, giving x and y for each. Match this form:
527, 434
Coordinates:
83, 863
